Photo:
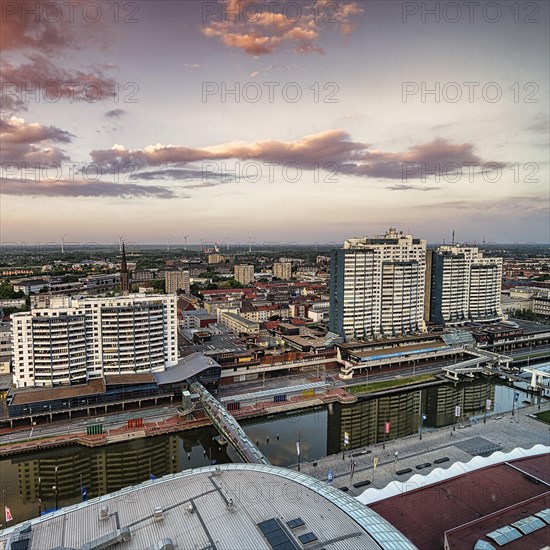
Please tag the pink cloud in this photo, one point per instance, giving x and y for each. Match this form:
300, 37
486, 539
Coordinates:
331, 146
263, 30
31, 144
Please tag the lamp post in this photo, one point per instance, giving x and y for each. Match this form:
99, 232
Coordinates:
39, 496
298, 450
422, 418
56, 489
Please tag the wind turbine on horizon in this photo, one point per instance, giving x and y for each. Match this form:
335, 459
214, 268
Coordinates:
185, 241
62, 237
120, 243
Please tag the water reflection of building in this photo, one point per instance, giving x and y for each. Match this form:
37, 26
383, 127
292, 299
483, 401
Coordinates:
440, 402
101, 470
365, 420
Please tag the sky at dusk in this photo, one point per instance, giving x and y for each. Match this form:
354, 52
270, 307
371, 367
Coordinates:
290, 121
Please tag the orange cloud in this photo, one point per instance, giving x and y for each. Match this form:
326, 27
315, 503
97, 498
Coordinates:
262, 30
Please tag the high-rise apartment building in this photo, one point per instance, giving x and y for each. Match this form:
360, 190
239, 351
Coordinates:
282, 270
244, 274
464, 285
76, 339
377, 286
177, 280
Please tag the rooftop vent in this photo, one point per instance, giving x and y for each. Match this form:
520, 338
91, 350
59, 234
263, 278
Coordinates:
164, 544
189, 508
103, 513
158, 514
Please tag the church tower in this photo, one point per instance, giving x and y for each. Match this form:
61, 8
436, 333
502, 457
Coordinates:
124, 281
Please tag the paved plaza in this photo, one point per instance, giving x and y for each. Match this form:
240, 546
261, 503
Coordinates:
501, 432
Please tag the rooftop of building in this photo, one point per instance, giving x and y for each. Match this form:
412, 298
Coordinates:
471, 505
26, 396
128, 379
313, 341
240, 319
198, 313
386, 342
188, 366
217, 343
398, 349
224, 507
31, 282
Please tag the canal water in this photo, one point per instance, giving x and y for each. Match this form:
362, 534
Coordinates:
33, 482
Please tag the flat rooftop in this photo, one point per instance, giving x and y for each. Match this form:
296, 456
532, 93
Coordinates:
482, 496
27, 396
398, 349
402, 340
245, 506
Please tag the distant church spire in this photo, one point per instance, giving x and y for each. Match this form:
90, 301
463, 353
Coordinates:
124, 282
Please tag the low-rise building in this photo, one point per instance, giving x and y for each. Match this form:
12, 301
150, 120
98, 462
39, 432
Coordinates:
541, 304
319, 313
236, 323
12, 303
31, 285
198, 318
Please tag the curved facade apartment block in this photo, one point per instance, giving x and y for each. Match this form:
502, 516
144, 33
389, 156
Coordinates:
76, 339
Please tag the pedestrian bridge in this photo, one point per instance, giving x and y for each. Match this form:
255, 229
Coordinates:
483, 361
537, 378
228, 427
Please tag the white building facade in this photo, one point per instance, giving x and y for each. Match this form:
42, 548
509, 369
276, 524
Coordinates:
465, 286
77, 339
377, 286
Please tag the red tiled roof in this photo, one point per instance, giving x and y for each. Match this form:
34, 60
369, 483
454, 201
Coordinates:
297, 321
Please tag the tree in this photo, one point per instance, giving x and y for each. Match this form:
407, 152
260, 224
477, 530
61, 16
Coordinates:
159, 285
7, 292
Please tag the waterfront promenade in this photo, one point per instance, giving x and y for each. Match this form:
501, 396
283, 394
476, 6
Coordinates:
155, 422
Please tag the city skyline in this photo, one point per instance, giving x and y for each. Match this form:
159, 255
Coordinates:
351, 157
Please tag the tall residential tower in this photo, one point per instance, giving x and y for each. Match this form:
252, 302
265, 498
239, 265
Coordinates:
377, 286
464, 286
